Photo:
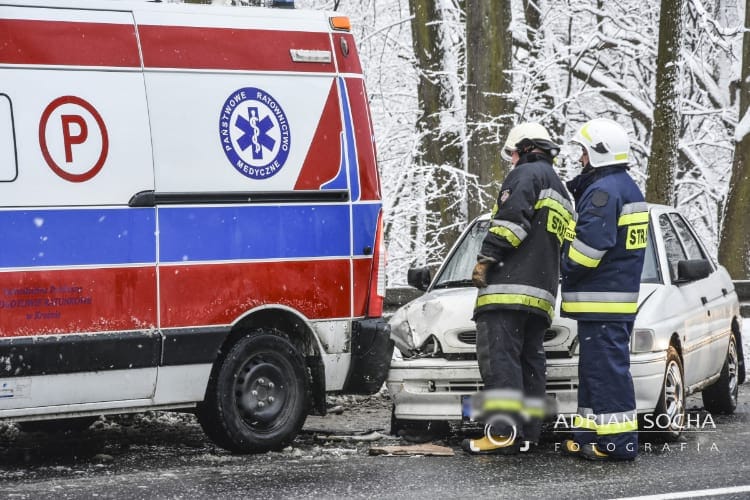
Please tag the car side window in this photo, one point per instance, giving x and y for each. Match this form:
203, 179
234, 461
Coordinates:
675, 252
692, 246
650, 273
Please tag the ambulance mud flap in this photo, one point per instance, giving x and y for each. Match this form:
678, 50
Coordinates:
372, 349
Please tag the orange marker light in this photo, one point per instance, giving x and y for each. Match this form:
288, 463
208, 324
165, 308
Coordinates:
340, 23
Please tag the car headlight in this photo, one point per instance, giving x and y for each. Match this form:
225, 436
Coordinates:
642, 340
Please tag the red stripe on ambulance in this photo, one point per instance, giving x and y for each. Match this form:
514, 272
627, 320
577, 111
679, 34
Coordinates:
68, 43
323, 159
346, 53
229, 49
58, 302
219, 294
362, 271
363, 134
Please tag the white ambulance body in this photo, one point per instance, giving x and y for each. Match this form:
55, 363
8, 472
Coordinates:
191, 215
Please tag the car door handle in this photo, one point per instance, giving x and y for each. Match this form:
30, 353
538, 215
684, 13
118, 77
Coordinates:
724, 292
704, 301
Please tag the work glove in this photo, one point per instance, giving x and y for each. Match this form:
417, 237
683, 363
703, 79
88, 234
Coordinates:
479, 275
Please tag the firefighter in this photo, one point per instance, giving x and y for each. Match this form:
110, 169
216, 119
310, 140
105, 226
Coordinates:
601, 271
517, 275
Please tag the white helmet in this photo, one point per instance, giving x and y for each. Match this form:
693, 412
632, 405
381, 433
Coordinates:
605, 142
530, 131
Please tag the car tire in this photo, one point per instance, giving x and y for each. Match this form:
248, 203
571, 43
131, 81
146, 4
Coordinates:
721, 396
669, 418
77, 424
258, 395
418, 431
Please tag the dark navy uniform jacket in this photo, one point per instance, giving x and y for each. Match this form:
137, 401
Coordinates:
601, 266
524, 240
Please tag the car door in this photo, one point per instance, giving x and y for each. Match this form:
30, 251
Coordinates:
717, 304
689, 303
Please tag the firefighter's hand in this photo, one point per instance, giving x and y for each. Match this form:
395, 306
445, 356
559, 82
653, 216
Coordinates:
479, 275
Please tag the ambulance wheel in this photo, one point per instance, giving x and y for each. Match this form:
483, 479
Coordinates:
721, 396
78, 424
258, 396
669, 417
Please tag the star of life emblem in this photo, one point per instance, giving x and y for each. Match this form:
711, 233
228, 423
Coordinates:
254, 133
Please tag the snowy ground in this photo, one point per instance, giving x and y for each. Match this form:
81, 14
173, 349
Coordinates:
153, 440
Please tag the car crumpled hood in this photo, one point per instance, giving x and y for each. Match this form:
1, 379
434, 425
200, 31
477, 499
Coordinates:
444, 311
434, 313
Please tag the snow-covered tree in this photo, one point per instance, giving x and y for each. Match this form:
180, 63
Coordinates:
734, 251
572, 60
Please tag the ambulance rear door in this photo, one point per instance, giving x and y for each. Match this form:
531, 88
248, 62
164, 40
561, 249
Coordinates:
78, 309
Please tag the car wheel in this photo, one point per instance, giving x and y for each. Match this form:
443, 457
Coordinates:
669, 418
418, 431
258, 395
721, 396
78, 424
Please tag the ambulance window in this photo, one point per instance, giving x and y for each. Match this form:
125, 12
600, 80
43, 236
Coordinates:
8, 164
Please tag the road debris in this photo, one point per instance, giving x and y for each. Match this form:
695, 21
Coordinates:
420, 449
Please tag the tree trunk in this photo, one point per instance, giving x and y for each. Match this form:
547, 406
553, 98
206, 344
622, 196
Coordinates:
488, 103
662, 163
734, 244
438, 149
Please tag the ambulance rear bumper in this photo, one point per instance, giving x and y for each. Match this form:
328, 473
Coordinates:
372, 349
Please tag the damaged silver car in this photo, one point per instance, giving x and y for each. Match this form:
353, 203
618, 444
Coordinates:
686, 338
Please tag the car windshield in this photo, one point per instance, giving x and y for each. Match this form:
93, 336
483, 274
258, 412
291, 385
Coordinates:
457, 270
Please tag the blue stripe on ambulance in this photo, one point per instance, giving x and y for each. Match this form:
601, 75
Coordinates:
348, 151
365, 220
71, 237
189, 234
125, 235
350, 142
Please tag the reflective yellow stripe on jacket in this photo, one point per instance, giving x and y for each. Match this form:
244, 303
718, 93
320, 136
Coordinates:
600, 302
584, 255
509, 231
522, 295
561, 214
633, 213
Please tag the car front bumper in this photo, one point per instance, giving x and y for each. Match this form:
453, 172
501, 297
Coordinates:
431, 388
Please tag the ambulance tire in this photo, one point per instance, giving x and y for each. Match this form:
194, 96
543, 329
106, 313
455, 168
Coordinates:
669, 418
258, 394
721, 396
77, 424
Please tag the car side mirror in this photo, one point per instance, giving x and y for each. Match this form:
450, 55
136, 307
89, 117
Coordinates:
419, 277
693, 270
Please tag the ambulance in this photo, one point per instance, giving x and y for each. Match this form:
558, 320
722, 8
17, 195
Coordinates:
191, 216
